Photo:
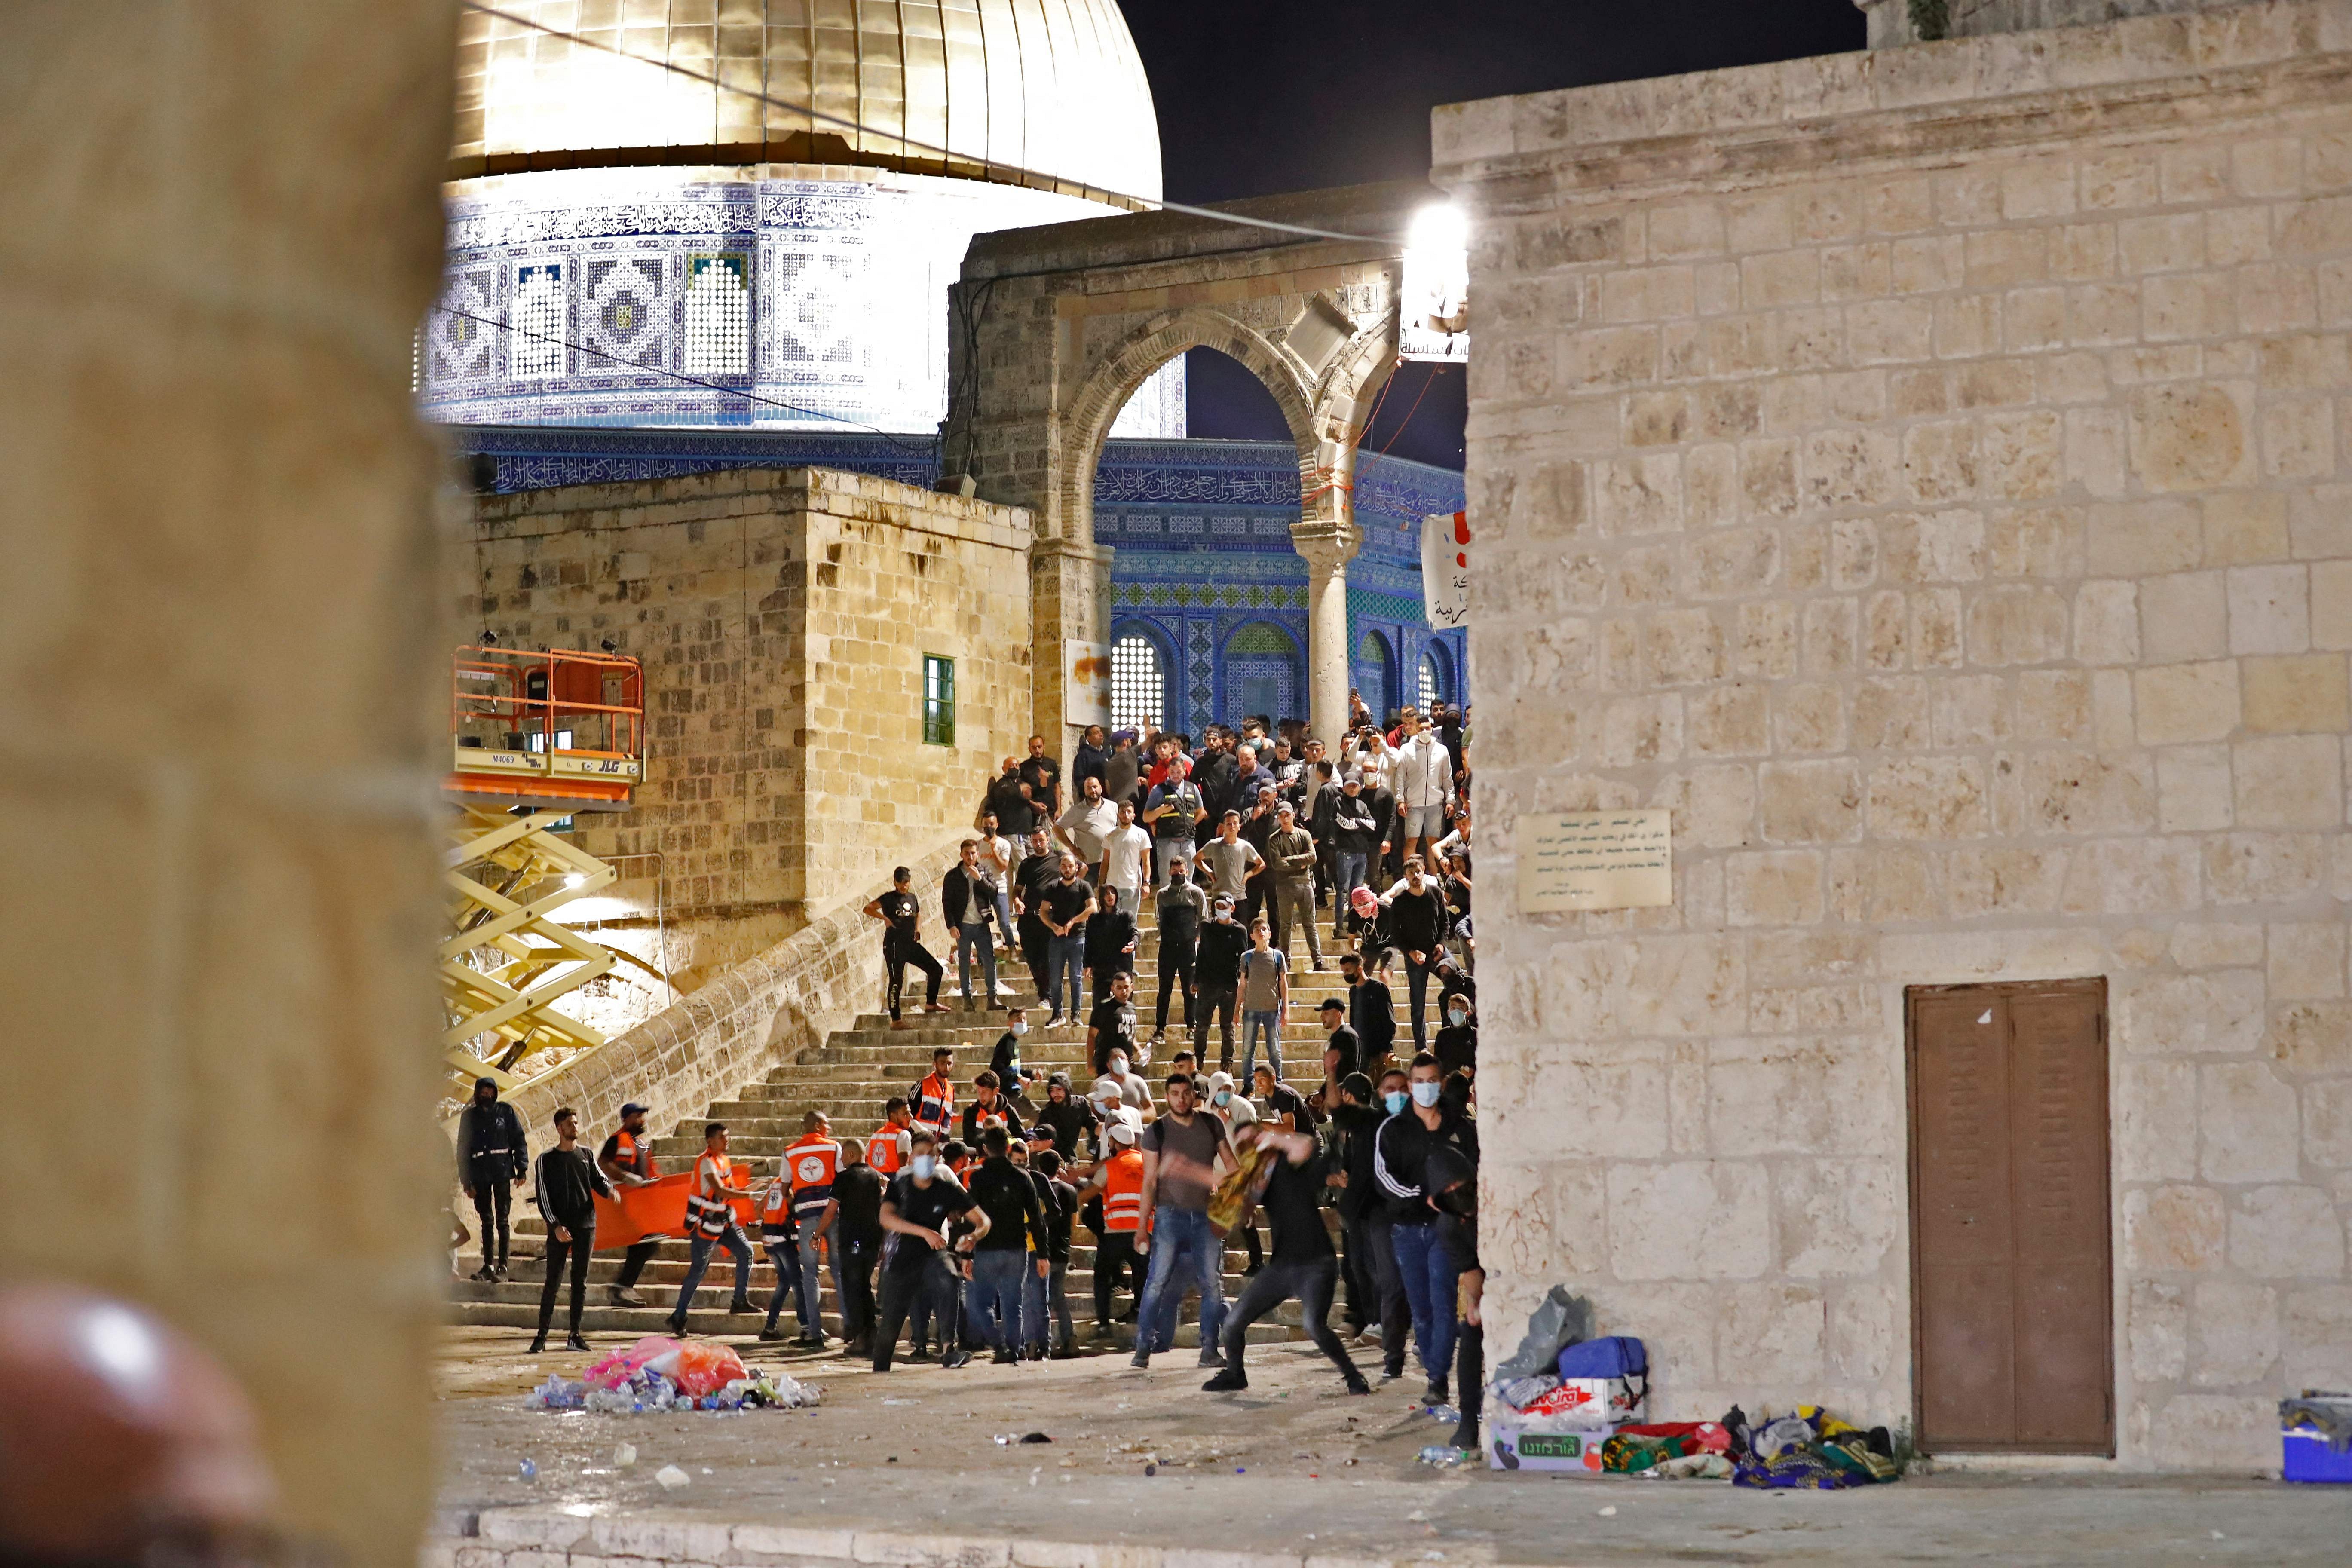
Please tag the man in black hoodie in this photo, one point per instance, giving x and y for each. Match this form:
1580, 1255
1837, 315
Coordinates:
492, 1161
1217, 978
566, 1184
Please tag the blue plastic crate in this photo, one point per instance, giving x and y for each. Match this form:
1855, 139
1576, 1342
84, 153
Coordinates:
2307, 1457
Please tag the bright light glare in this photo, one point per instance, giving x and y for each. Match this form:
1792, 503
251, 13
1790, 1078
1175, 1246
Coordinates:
1441, 227
121, 1347
576, 879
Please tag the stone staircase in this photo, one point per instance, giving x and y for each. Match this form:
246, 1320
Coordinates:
849, 1078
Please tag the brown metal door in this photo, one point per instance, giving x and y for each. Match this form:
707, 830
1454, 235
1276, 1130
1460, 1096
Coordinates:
2011, 1290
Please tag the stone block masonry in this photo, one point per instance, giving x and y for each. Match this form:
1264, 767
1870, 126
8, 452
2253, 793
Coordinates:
784, 617
1925, 471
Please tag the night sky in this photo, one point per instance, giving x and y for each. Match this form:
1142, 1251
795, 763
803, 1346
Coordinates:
1258, 96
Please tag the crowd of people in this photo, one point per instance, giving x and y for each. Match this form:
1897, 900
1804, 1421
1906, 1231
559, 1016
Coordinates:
951, 1223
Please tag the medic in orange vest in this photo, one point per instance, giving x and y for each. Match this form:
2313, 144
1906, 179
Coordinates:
1119, 1180
627, 1161
710, 1223
933, 1101
886, 1149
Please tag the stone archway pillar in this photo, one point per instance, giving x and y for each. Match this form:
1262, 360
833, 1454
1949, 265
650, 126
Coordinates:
1327, 547
1069, 601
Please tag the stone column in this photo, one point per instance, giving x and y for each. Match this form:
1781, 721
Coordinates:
1069, 588
1328, 549
223, 690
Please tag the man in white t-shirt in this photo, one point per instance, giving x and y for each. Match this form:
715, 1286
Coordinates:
1088, 823
1127, 855
998, 857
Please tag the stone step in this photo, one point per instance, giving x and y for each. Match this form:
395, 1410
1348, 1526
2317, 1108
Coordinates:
712, 1298
632, 1322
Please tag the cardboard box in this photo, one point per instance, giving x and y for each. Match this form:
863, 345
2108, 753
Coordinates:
1510, 1446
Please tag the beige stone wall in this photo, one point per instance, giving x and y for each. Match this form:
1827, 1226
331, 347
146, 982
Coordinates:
1924, 471
218, 632
757, 1015
782, 616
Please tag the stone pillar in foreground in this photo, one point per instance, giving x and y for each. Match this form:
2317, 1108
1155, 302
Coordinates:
223, 685
1326, 549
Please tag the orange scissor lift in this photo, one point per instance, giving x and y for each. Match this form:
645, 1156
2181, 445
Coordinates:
535, 739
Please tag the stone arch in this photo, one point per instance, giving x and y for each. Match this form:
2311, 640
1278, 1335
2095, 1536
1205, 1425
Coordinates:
1052, 328
1087, 422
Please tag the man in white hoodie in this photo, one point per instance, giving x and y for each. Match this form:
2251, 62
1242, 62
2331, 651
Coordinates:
1423, 780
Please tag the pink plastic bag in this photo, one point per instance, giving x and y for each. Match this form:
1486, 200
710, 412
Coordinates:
622, 1365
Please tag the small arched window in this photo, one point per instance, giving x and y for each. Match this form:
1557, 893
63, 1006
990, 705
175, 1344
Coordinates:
1433, 684
1138, 683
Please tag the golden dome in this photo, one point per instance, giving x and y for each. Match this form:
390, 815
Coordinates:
1051, 87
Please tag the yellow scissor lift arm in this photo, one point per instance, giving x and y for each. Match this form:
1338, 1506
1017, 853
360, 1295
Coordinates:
536, 738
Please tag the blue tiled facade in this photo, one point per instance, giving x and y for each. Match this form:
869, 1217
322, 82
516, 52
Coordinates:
1203, 567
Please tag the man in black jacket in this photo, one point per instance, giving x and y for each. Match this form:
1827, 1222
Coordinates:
1374, 1293
1015, 1234
1354, 834
1047, 1163
1372, 1013
1217, 775
856, 1239
1425, 1257
1417, 922
1009, 798
1217, 978
1111, 939
964, 902
1039, 869
567, 1183
492, 1161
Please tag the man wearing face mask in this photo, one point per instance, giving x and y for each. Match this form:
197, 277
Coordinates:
1457, 1046
1122, 1087
1005, 1060
1425, 1257
923, 1201
1452, 1184
1217, 977
1375, 1294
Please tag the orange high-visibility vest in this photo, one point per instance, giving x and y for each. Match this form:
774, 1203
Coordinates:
934, 1104
776, 1209
886, 1149
633, 1155
711, 1215
1123, 1192
812, 1161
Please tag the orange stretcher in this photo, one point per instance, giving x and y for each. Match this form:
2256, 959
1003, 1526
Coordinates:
657, 1208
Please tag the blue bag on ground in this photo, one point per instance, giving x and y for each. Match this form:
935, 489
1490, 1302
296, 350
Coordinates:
1615, 1355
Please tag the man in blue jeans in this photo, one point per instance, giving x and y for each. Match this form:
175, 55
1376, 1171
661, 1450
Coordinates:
1426, 1258
1015, 1244
1185, 1152
1064, 904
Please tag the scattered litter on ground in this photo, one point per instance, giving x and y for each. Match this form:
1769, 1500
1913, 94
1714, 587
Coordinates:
624, 1455
1150, 1470
1036, 1437
1417, 1516
530, 1470
646, 1390
671, 1478
1609, 1512
1446, 1456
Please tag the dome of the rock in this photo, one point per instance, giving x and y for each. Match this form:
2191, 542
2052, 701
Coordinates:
647, 227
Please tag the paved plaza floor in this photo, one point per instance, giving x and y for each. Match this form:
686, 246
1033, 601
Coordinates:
1292, 1469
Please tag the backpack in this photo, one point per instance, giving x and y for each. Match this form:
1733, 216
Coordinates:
1612, 1356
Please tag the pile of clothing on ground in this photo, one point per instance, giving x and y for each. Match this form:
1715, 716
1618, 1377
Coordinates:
659, 1373
1810, 1450
1569, 1404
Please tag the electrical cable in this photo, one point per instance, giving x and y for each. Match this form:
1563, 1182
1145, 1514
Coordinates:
1408, 412
927, 447
818, 115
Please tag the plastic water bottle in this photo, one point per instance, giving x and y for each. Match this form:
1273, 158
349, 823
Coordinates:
530, 1471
